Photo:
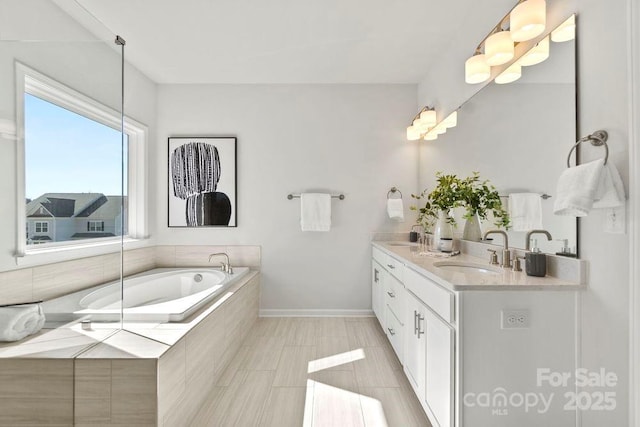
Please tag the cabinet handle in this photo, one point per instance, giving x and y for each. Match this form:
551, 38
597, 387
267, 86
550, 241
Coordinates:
415, 322
391, 266
391, 331
420, 319
375, 275
391, 294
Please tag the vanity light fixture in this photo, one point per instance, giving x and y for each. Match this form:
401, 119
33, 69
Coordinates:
511, 74
439, 129
451, 120
476, 69
431, 136
566, 31
537, 54
413, 134
528, 20
422, 122
499, 48
428, 117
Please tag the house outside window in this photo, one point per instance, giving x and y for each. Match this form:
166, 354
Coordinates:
42, 227
95, 226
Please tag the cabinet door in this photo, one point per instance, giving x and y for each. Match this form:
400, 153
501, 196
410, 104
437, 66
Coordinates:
439, 378
377, 288
415, 344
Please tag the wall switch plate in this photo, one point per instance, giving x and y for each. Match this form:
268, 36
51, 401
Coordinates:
515, 319
615, 220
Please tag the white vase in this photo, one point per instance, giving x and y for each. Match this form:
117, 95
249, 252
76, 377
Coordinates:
442, 233
472, 229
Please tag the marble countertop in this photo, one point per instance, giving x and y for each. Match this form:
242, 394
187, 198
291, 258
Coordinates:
506, 279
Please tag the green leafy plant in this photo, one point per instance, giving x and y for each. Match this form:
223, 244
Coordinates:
478, 197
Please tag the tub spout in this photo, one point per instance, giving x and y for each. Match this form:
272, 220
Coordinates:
226, 267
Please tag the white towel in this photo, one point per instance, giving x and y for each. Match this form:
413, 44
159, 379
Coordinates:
19, 321
315, 212
395, 209
610, 190
525, 211
578, 189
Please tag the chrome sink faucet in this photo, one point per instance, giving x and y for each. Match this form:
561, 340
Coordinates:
527, 244
226, 267
506, 254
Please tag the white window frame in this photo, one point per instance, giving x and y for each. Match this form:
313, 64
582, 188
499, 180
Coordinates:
95, 226
41, 223
37, 84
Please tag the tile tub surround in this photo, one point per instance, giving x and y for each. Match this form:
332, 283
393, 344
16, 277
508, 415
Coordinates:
57, 279
129, 378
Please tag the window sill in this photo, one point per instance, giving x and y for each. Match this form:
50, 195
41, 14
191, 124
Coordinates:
39, 256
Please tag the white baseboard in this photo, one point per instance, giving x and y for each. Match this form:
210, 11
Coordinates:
314, 313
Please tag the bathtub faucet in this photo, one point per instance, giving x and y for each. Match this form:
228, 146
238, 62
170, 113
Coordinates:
226, 267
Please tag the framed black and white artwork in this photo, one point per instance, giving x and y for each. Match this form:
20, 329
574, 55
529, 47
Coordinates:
202, 182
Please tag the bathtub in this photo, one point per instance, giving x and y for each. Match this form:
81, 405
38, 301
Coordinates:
159, 295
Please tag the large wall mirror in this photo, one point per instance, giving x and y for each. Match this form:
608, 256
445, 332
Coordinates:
518, 136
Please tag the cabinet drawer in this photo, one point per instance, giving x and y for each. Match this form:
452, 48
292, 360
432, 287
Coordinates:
389, 263
394, 297
437, 298
394, 331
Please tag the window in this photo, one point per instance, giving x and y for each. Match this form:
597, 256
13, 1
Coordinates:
73, 155
42, 227
95, 226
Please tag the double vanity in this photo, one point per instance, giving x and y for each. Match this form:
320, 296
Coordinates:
472, 337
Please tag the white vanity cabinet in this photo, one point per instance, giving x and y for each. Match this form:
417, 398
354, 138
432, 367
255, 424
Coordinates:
388, 298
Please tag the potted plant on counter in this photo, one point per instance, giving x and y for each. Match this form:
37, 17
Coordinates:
479, 198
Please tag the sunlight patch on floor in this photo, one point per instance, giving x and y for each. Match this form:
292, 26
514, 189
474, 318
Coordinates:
335, 360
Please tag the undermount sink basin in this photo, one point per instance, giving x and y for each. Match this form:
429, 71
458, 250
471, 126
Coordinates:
401, 244
467, 267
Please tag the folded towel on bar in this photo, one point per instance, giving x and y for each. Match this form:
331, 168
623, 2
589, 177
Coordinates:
610, 190
525, 211
315, 212
395, 209
19, 321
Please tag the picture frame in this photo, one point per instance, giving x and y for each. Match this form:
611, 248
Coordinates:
202, 181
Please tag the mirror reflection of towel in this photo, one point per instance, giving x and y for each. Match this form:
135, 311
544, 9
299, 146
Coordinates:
525, 211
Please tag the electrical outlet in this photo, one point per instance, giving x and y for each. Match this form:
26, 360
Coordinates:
515, 319
615, 220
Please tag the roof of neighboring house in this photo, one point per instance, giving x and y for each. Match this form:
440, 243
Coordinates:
108, 209
91, 235
62, 205
40, 238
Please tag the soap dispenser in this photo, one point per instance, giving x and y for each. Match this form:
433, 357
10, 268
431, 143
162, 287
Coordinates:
565, 250
535, 261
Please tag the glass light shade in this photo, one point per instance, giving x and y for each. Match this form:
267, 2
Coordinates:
451, 120
413, 134
566, 31
511, 74
498, 48
528, 20
431, 136
417, 123
476, 70
428, 117
439, 129
537, 54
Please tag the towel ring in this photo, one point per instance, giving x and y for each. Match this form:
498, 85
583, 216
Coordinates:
597, 139
393, 191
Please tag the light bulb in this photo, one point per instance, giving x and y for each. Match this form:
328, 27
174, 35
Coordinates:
511, 74
476, 69
498, 48
566, 31
537, 54
528, 20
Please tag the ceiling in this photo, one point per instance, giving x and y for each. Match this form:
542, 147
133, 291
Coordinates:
294, 41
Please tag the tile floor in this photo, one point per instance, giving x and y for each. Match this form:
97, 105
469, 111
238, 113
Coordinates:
314, 372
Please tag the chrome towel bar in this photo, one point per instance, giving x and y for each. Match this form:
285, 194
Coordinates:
297, 196
597, 139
